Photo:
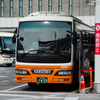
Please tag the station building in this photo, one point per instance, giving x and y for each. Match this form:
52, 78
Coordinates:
12, 10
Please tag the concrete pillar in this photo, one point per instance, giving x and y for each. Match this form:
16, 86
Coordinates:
16, 8
6, 8
65, 6
25, 7
91, 8
86, 9
35, 5
45, 5
97, 54
54, 5
0, 8
80, 7
75, 8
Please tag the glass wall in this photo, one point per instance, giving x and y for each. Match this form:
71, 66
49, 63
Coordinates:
2, 8
20, 8
30, 6
70, 6
50, 5
11, 8
40, 5
60, 5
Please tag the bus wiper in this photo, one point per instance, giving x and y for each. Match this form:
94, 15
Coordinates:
57, 53
29, 52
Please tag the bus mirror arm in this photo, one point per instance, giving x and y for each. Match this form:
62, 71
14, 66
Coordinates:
15, 32
14, 36
70, 32
73, 36
0, 39
14, 39
74, 40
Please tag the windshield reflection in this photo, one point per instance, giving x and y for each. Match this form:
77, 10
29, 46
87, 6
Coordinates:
7, 44
42, 38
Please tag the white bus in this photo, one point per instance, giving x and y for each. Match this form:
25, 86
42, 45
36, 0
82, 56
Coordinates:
47, 45
7, 48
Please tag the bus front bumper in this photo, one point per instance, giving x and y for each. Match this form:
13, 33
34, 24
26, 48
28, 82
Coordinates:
44, 79
7, 60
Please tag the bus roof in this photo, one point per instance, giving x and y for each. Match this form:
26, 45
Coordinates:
52, 16
53, 13
6, 34
44, 15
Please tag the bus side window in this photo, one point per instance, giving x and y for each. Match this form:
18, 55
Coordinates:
77, 51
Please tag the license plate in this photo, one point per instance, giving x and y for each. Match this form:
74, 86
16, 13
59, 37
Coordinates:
42, 80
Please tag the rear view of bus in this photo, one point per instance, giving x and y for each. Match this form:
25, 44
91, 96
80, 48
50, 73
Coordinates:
44, 49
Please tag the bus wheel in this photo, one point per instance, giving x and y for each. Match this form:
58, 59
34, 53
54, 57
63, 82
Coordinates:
31, 84
8, 65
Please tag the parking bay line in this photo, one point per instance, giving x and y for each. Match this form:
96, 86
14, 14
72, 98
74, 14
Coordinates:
9, 90
15, 87
5, 81
39, 97
71, 98
28, 92
3, 76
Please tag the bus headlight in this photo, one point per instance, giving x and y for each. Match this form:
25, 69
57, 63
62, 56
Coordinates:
21, 72
64, 73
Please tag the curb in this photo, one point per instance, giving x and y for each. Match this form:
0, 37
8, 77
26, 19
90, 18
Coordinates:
86, 90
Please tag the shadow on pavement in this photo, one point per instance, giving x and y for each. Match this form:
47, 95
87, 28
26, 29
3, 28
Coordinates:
52, 88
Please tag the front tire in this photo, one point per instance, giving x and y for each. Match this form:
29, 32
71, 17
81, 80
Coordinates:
9, 65
31, 84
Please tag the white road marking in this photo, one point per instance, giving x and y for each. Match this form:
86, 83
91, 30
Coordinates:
39, 97
7, 71
3, 76
54, 95
18, 95
15, 87
28, 92
2, 68
14, 80
19, 99
5, 81
71, 98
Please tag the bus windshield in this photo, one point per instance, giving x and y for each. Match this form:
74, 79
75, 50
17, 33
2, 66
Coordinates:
7, 44
44, 40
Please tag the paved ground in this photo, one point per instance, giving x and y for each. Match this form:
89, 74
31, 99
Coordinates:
11, 90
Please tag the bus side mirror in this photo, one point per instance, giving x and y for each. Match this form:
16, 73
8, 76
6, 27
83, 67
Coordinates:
14, 36
0, 40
